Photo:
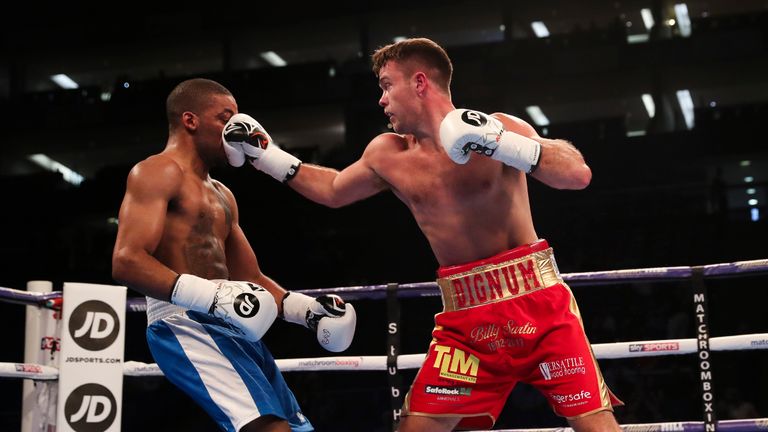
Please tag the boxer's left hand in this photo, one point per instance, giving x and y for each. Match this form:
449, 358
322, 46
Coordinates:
245, 139
463, 131
332, 319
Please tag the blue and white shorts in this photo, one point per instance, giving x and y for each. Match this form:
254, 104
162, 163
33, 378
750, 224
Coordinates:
233, 379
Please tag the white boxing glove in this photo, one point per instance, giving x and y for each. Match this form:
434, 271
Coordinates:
332, 319
463, 131
247, 306
244, 138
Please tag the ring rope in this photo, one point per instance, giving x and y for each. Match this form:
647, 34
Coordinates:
615, 350
53, 300
428, 289
741, 425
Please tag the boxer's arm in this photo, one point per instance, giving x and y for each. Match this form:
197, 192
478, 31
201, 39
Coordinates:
244, 139
560, 165
241, 259
151, 185
334, 188
328, 316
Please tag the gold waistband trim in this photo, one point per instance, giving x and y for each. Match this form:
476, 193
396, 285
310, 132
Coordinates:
500, 281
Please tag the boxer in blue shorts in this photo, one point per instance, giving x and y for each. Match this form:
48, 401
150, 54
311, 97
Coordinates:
179, 242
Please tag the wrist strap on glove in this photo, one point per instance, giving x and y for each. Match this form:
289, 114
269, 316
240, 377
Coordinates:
518, 151
276, 162
194, 293
295, 307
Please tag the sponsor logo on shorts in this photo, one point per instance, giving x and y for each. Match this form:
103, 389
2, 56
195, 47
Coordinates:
448, 391
456, 364
563, 367
571, 399
665, 346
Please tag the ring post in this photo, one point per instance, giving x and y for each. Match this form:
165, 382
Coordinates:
40, 347
91, 362
393, 350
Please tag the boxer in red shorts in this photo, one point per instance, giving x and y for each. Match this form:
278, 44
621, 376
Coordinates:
464, 176
506, 319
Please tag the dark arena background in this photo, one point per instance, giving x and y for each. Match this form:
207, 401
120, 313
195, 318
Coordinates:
667, 103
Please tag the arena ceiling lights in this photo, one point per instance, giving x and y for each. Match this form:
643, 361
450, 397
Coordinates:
69, 175
273, 59
683, 20
64, 81
650, 106
540, 29
686, 106
648, 20
537, 115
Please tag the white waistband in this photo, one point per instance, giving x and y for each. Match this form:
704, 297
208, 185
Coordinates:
159, 309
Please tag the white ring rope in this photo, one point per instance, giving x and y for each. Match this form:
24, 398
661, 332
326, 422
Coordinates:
29, 370
414, 361
751, 425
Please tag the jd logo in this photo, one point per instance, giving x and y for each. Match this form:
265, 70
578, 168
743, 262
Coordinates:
246, 305
474, 118
94, 325
90, 408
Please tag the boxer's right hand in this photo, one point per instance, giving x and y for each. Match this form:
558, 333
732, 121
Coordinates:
247, 306
332, 319
244, 138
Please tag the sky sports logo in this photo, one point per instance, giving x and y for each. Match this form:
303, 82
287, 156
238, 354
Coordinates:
648, 347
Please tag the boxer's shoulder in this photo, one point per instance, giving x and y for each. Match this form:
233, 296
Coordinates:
389, 144
160, 163
390, 141
157, 171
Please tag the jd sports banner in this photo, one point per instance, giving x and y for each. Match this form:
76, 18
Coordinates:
91, 358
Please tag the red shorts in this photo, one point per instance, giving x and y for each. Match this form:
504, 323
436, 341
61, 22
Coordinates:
506, 319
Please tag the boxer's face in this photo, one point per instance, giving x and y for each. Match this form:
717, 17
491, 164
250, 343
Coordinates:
211, 123
397, 95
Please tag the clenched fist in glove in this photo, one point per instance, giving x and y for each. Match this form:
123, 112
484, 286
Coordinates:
332, 319
244, 138
463, 131
248, 307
